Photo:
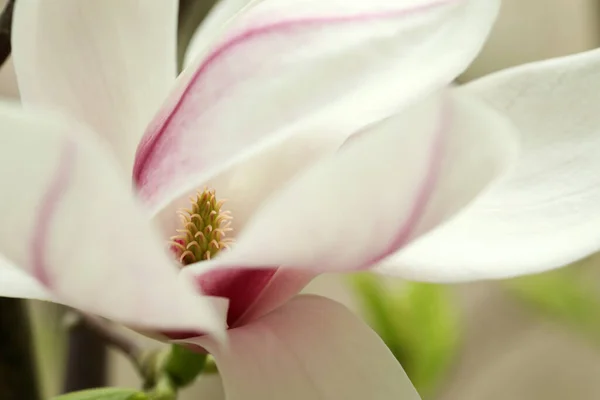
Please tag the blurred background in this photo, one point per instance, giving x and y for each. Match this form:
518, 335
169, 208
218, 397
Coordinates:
533, 338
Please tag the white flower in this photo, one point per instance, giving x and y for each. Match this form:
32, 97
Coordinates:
332, 129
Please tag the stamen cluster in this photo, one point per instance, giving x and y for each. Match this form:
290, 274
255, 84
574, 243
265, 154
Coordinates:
205, 226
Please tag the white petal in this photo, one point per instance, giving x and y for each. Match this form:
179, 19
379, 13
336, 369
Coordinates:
548, 213
311, 348
383, 189
70, 220
14, 282
289, 67
109, 63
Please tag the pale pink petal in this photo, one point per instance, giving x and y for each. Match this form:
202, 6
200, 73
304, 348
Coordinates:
288, 67
547, 214
15, 282
311, 348
109, 63
70, 220
384, 188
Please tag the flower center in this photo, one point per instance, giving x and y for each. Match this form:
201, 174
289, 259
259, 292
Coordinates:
205, 226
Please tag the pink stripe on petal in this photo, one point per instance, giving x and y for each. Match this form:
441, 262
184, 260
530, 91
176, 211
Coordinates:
424, 193
42, 224
157, 131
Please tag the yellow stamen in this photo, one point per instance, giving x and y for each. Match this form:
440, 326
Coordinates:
205, 228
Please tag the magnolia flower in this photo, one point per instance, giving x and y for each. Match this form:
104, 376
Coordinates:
332, 131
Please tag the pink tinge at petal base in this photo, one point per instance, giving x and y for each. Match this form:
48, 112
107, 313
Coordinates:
241, 287
250, 293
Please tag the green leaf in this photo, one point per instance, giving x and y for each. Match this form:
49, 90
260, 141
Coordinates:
380, 313
183, 365
104, 394
418, 322
435, 330
564, 295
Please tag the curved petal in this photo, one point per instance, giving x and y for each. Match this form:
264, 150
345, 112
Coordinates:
14, 282
547, 214
311, 348
108, 63
286, 67
70, 220
384, 188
